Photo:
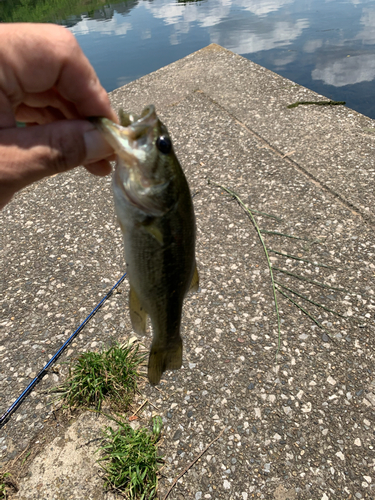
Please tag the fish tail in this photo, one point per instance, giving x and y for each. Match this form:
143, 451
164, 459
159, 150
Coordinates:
164, 358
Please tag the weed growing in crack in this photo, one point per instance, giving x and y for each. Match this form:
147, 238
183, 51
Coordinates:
111, 376
130, 459
4, 482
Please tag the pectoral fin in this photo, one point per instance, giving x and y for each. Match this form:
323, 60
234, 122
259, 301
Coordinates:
194, 285
155, 232
138, 315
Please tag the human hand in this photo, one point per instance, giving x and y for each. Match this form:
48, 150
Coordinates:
46, 81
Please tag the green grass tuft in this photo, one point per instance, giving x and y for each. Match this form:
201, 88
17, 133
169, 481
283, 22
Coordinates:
3, 485
110, 375
130, 460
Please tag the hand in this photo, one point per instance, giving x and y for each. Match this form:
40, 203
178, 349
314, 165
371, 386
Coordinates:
46, 81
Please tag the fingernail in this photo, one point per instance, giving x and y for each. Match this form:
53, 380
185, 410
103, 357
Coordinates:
97, 148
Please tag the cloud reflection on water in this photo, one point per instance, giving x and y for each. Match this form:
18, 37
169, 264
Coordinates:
338, 68
205, 14
115, 26
262, 8
307, 42
367, 34
244, 36
346, 70
212, 13
245, 42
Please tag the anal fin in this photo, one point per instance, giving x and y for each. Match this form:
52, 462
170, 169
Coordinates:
138, 315
162, 359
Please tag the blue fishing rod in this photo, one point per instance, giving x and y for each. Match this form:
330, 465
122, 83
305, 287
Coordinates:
6, 416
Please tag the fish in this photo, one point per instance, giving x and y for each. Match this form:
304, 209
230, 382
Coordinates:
155, 211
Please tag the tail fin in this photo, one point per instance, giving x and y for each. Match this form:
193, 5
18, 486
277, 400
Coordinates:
164, 358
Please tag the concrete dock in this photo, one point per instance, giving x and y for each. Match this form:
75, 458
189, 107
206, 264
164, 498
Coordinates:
297, 427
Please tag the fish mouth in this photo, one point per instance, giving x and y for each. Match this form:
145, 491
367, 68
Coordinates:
134, 138
134, 142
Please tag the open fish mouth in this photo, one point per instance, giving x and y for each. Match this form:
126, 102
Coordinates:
134, 138
134, 141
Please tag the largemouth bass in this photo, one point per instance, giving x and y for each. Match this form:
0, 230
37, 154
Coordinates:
155, 211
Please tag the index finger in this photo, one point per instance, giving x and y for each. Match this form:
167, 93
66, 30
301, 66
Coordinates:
37, 57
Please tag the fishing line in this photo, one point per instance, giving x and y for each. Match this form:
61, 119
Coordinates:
6, 416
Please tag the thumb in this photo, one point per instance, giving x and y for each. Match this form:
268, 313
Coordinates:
31, 153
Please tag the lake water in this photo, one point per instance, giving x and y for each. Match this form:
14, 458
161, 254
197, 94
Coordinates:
326, 45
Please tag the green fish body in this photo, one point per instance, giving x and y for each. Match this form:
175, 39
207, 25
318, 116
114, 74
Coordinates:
155, 211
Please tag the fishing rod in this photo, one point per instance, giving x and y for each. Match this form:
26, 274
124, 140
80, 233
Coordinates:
6, 416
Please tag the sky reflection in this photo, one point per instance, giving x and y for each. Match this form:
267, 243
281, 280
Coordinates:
325, 45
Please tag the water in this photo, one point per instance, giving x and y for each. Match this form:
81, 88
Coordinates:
328, 46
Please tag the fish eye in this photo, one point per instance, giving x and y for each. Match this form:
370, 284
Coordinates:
164, 144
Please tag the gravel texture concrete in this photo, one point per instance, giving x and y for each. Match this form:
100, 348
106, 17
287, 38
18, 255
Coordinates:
299, 427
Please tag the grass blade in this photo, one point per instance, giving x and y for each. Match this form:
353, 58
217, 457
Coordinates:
311, 301
317, 264
313, 282
241, 202
265, 231
305, 312
248, 211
